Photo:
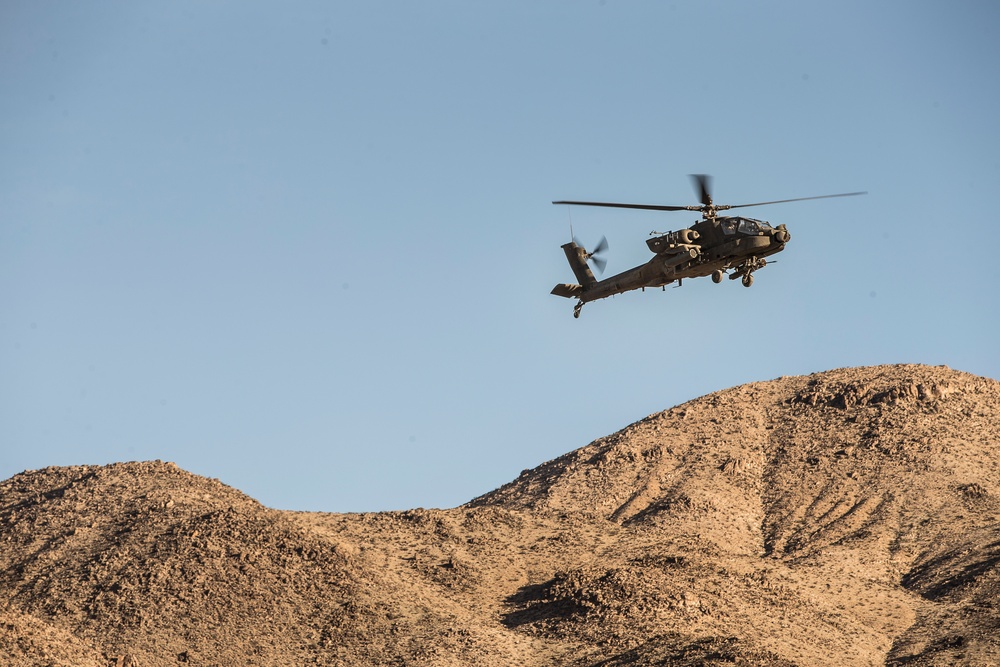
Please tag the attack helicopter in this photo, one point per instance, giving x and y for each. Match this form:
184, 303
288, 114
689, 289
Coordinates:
713, 246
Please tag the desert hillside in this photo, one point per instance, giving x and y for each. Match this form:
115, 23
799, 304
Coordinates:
850, 517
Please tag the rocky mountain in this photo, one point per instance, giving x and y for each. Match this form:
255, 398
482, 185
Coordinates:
850, 517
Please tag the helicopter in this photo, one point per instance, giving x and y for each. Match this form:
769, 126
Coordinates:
712, 247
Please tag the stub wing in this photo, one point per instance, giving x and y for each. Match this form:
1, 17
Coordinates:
567, 290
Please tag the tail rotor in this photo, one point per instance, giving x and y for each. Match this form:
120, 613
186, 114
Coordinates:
595, 256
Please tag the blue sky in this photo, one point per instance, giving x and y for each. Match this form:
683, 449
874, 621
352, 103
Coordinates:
307, 249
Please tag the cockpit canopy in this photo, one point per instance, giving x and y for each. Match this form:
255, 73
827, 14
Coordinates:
745, 226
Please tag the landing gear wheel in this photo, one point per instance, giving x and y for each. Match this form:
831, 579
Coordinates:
747, 280
577, 308
717, 276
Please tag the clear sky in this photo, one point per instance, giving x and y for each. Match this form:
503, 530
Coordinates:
307, 247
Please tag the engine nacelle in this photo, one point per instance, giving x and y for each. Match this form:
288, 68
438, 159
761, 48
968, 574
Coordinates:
668, 242
687, 236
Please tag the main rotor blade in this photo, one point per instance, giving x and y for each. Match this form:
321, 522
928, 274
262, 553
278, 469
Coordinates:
782, 201
702, 183
647, 207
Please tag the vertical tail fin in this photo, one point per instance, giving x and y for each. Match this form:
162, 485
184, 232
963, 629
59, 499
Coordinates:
577, 257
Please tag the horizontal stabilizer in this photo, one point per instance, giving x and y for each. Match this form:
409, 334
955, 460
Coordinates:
566, 290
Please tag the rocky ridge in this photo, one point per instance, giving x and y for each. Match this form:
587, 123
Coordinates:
850, 517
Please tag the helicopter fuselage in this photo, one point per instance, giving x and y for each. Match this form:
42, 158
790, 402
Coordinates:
711, 246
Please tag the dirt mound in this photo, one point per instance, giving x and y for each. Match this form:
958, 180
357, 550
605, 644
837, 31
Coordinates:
844, 518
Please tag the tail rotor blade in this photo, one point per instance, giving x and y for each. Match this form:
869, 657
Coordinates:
602, 245
595, 255
592, 256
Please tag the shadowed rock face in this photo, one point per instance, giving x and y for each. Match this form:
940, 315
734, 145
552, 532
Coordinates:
845, 518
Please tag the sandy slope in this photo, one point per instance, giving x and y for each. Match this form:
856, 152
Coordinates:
844, 518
